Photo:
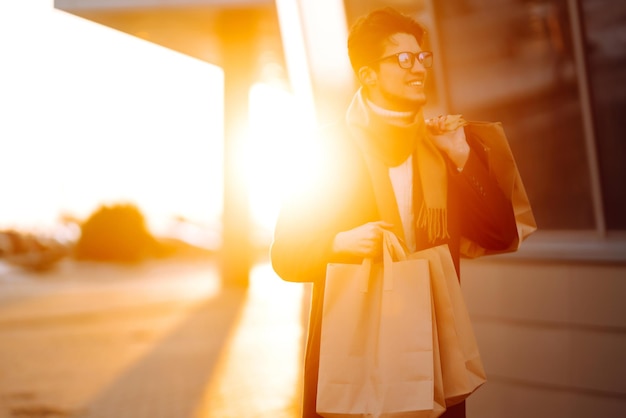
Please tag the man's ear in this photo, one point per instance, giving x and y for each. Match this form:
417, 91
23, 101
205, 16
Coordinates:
367, 76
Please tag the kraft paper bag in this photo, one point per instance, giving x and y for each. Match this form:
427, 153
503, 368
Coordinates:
462, 371
376, 354
490, 139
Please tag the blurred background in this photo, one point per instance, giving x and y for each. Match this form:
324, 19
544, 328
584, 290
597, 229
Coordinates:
138, 130
131, 109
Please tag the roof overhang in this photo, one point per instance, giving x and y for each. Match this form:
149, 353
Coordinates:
193, 27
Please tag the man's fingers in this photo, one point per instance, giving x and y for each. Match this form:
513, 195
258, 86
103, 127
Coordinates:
383, 224
387, 225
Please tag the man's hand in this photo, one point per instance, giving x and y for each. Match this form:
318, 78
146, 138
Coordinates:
449, 137
363, 241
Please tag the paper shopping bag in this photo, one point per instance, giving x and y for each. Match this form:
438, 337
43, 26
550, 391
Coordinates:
489, 139
376, 354
461, 366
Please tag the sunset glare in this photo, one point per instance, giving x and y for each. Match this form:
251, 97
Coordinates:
94, 116
280, 131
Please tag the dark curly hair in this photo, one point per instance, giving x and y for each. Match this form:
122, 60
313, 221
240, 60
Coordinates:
367, 35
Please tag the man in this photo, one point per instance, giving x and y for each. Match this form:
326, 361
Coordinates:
382, 168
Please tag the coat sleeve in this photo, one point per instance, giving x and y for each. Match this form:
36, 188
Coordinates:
300, 253
302, 244
335, 197
486, 215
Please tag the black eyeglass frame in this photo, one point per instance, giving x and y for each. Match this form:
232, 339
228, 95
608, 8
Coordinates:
423, 57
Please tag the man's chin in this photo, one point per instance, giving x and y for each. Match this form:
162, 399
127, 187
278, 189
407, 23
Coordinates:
413, 103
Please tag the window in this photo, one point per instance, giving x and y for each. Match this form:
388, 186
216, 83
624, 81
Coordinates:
605, 44
512, 61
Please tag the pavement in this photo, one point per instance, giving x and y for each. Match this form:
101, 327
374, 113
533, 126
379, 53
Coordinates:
162, 339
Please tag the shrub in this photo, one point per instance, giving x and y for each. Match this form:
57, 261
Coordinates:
115, 233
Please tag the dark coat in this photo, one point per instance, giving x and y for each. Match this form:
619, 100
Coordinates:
342, 198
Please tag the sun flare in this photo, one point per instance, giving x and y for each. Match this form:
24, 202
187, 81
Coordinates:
280, 129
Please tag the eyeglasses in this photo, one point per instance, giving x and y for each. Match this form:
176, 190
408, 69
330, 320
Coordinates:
406, 60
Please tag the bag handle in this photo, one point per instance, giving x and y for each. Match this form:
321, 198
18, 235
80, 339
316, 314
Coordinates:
391, 247
365, 273
394, 246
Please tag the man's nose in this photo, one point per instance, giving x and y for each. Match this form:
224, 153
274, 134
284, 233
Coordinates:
417, 66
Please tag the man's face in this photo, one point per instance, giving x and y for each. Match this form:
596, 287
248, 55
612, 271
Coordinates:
395, 88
